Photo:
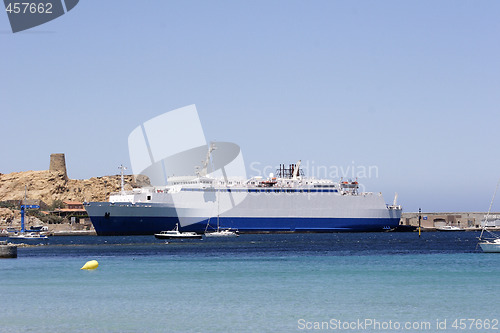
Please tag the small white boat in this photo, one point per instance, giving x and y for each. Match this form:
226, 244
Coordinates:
28, 237
176, 234
490, 246
449, 228
222, 233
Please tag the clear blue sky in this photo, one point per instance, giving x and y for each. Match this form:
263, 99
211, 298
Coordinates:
411, 87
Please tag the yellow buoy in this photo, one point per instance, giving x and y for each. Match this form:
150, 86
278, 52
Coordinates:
92, 264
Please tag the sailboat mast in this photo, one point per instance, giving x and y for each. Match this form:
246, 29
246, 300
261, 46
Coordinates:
122, 168
217, 212
23, 208
489, 210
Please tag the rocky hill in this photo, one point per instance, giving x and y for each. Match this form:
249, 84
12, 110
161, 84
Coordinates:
50, 185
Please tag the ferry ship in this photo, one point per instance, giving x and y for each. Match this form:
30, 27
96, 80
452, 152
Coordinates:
286, 201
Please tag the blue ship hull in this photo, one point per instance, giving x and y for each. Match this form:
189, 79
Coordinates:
127, 225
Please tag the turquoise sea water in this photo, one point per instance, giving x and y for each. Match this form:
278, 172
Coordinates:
253, 283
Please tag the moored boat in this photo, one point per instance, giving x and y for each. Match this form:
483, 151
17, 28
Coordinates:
222, 233
449, 228
28, 237
176, 234
490, 244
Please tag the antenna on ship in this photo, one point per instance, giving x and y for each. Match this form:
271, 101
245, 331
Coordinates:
122, 168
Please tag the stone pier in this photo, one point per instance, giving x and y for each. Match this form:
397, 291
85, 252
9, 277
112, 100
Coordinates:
7, 250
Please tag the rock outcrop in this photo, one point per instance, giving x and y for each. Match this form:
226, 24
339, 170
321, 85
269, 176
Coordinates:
53, 185
6, 212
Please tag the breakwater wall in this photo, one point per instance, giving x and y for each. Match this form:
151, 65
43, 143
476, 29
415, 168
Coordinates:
7, 250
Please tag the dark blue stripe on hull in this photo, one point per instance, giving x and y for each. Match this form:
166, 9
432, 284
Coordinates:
150, 225
309, 224
123, 226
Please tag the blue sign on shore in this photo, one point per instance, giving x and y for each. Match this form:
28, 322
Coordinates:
30, 206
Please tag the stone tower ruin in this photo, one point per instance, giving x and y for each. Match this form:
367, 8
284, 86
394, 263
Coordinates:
58, 163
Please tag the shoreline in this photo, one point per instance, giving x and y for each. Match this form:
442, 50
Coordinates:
93, 233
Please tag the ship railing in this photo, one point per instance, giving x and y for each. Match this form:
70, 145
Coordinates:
121, 193
134, 191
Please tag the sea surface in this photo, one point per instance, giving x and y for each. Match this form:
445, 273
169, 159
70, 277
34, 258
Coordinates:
354, 282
